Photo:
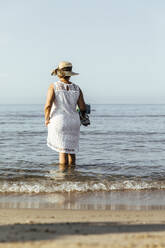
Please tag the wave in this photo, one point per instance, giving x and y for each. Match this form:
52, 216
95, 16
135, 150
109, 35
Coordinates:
69, 186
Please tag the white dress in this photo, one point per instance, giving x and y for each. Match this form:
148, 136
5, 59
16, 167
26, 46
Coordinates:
64, 126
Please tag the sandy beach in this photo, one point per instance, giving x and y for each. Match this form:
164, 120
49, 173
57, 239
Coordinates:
81, 228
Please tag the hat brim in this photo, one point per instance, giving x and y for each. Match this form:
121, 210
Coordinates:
70, 73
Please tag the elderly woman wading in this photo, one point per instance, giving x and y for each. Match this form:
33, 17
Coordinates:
61, 116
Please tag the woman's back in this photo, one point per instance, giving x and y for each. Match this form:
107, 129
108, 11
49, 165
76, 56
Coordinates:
66, 97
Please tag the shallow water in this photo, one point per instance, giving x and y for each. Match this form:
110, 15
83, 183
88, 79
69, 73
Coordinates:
122, 149
113, 200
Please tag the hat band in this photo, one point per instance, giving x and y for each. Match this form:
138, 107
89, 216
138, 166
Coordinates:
69, 68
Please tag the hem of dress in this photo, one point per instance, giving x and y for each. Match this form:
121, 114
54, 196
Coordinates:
59, 150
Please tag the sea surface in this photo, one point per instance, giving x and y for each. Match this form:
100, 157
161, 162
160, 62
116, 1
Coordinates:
122, 150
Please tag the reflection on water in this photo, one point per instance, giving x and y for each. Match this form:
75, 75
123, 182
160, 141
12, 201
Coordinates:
128, 200
67, 168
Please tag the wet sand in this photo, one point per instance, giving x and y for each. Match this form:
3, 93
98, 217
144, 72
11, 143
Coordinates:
114, 200
81, 228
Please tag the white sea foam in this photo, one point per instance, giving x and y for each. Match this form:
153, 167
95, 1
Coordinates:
70, 186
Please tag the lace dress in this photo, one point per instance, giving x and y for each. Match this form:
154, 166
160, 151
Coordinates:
64, 126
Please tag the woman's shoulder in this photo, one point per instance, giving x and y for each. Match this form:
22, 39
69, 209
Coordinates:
51, 85
76, 86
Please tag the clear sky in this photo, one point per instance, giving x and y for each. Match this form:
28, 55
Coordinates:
117, 46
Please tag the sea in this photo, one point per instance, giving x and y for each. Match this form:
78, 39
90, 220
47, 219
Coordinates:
120, 165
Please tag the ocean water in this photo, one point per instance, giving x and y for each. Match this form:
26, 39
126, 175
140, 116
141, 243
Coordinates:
122, 149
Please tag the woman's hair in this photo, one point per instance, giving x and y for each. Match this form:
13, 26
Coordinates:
58, 72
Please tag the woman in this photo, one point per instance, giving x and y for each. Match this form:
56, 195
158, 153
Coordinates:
61, 116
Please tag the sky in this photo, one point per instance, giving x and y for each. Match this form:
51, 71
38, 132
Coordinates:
117, 46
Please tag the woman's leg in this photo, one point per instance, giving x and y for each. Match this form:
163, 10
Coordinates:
71, 159
63, 158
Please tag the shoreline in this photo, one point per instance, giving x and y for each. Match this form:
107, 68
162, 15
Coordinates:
81, 228
114, 200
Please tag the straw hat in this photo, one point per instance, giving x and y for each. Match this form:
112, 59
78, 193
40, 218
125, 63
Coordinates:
64, 69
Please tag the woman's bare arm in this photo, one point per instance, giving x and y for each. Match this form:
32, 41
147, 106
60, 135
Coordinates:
49, 102
81, 102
